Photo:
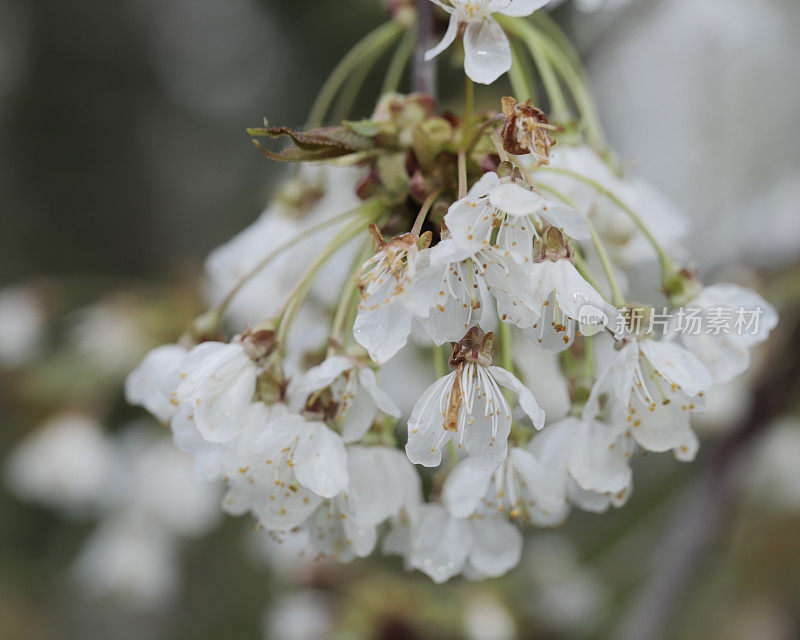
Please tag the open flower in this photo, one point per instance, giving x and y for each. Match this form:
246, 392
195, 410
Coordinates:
468, 404
486, 47
383, 321
443, 546
382, 483
592, 458
565, 297
521, 488
653, 387
218, 380
355, 396
490, 243
281, 466
743, 319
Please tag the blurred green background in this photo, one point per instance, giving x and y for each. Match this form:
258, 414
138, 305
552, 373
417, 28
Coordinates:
124, 160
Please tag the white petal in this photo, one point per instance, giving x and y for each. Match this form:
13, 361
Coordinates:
447, 40
315, 379
382, 399
440, 544
544, 492
382, 482
358, 418
677, 365
496, 546
488, 53
465, 487
515, 200
426, 433
569, 220
526, 398
580, 300
666, 427
597, 461
383, 331
321, 460
521, 8
152, 382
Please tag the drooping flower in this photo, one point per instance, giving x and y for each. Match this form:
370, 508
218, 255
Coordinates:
218, 381
521, 488
733, 320
383, 321
468, 404
486, 47
155, 378
566, 299
382, 483
489, 248
442, 546
281, 467
355, 396
592, 459
652, 387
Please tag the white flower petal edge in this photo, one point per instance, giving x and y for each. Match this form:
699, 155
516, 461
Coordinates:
152, 382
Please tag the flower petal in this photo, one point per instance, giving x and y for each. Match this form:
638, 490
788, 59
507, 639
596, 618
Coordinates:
447, 40
526, 398
465, 487
488, 52
321, 460
496, 546
426, 433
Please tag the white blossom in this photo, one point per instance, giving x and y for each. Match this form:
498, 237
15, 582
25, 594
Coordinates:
749, 320
652, 388
281, 466
567, 301
218, 381
153, 381
382, 484
468, 404
355, 392
383, 321
592, 459
443, 546
65, 463
521, 488
22, 324
486, 47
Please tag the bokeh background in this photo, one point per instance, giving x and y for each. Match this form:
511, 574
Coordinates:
124, 160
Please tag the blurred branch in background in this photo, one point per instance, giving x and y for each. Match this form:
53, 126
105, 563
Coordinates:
703, 515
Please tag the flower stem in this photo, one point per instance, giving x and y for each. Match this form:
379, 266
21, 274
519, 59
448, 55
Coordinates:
364, 49
398, 63
369, 213
664, 259
423, 212
617, 297
302, 235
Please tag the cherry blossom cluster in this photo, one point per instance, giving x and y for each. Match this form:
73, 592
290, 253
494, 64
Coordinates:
465, 237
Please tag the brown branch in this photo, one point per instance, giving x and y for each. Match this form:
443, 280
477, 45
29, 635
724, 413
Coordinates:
703, 513
424, 72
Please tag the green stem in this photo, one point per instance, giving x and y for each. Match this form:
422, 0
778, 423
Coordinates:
517, 75
364, 49
423, 212
399, 61
664, 259
346, 299
369, 213
533, 41
617, 297
303, 235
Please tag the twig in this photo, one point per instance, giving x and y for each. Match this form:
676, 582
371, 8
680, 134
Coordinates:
706, 508
424, 71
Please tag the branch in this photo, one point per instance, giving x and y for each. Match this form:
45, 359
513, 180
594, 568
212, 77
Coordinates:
707, 506
424, 72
